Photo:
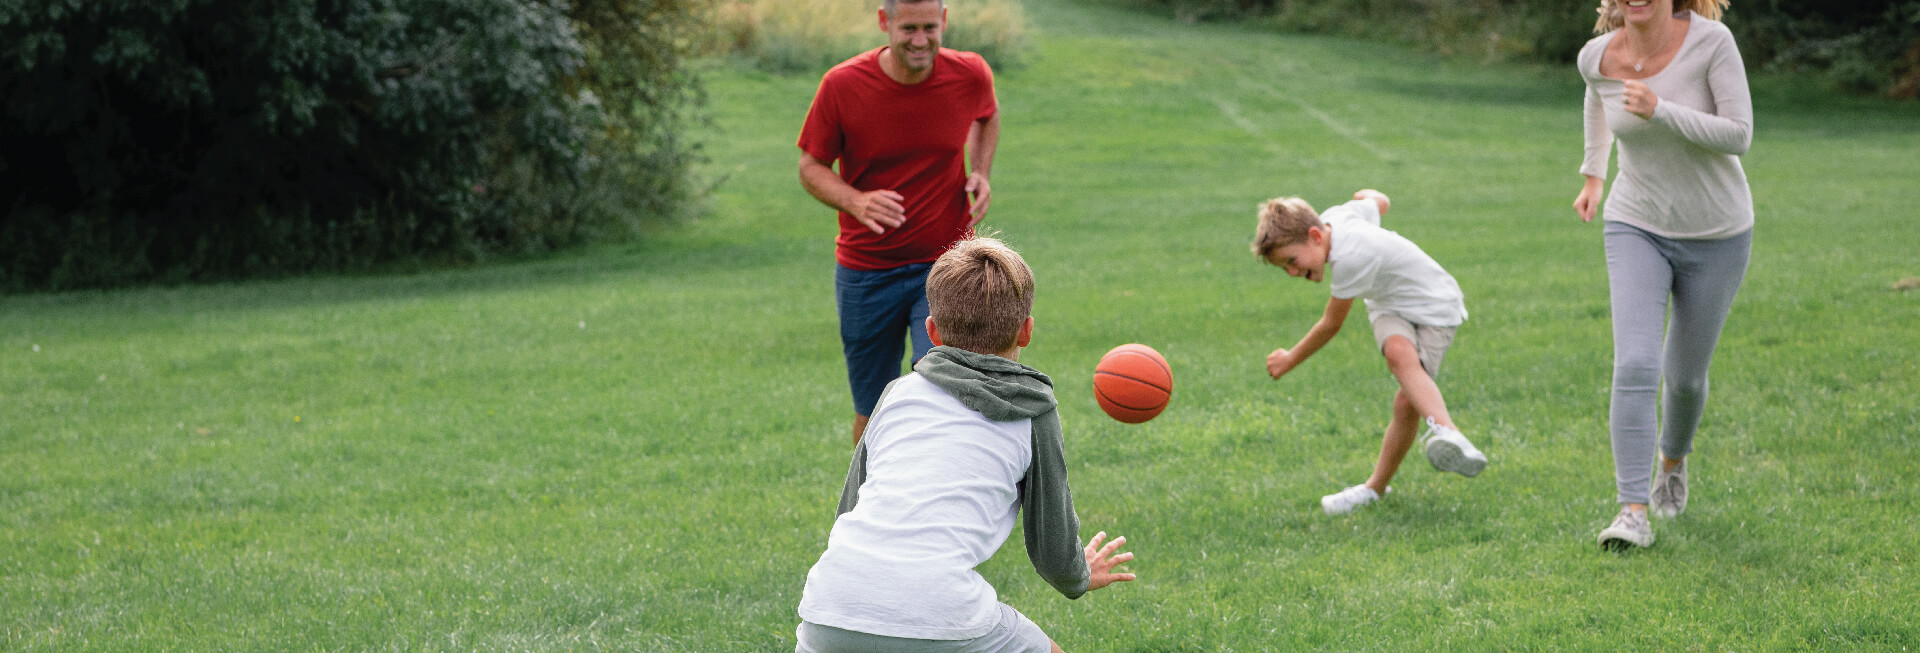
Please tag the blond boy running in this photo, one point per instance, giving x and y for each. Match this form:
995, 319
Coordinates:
1414, 306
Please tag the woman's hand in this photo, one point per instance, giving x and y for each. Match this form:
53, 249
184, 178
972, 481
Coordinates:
1639, 100
1589, 199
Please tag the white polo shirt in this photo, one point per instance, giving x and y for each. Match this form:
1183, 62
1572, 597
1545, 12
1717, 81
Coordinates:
1391, 273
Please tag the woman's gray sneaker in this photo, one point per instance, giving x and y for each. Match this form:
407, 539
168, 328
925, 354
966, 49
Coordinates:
1669, 490
1629, 529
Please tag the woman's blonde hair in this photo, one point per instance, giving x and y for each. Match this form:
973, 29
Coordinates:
1611, 18
979, 293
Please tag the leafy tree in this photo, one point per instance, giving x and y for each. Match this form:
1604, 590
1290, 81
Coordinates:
184, 139
1868, 46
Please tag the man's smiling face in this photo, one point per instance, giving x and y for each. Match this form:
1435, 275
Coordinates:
913, 34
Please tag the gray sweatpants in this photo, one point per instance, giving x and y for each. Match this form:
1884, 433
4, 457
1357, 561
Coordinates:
1643, 272
1014, 634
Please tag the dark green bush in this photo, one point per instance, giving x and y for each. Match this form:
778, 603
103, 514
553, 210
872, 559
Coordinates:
1189, 11
196, 139
635, 66
1870, 46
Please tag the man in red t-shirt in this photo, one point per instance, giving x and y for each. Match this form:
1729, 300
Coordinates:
905, 121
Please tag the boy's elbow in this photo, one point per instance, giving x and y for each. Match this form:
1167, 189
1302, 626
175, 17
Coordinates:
1070, 575
1071, 586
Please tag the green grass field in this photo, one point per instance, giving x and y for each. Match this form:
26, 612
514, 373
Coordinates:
639, 448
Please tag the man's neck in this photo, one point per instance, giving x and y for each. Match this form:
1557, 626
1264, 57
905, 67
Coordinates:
891, 66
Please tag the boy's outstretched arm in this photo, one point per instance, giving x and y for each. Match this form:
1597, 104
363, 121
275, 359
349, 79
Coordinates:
1282, 361
1052, 528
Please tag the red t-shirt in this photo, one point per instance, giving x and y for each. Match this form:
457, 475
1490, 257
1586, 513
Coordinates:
908, 138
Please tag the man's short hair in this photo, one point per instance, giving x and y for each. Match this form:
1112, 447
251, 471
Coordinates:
979, 293
892, 6
1283, 221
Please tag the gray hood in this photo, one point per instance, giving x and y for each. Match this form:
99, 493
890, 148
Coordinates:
1001, 389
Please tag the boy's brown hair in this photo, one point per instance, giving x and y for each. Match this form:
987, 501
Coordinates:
979, 293
1283, 221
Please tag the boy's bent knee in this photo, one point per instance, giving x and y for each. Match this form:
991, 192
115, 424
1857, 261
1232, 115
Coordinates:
1401, 354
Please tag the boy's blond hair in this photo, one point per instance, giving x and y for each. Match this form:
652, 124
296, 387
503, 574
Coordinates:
1283, 221
1611, 16
979, 293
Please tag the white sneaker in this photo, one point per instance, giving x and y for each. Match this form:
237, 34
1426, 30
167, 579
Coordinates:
1449, 451
1669, 489
1629, 529
1344, 501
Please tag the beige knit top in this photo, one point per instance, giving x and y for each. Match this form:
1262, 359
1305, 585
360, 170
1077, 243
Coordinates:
1680, 174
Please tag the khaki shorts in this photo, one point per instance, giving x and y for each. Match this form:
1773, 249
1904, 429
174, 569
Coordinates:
1431, 342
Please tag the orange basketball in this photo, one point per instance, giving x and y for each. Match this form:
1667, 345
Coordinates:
1132, 383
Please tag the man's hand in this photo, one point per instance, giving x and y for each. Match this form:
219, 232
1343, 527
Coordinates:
982, 194
879, 210
1280, 362
1102, 560
1639, 100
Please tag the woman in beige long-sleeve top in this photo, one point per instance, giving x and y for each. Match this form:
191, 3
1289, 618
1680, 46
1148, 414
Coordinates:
1667, 84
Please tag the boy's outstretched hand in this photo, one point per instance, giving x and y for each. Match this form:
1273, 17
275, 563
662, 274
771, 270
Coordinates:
1379, 198
1280, 362
1102, 560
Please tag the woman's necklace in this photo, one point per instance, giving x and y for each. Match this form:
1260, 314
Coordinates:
1663, 45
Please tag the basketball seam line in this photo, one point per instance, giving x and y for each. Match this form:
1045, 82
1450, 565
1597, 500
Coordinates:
1163, 366
1116, 402
1150, 384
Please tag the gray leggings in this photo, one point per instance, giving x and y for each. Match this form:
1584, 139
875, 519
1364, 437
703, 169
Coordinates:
1643, 272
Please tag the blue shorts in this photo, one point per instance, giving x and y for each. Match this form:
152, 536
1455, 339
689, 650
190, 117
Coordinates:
879, 311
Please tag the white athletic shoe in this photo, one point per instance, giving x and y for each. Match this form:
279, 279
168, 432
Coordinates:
1345, 501
1449, 451
1669, 490
1629, 529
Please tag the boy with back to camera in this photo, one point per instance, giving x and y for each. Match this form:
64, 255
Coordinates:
1414, 306
953, 453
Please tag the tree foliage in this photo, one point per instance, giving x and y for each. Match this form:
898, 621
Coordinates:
1870, 46
185, 139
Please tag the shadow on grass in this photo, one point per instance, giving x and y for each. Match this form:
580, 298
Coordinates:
652, 261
